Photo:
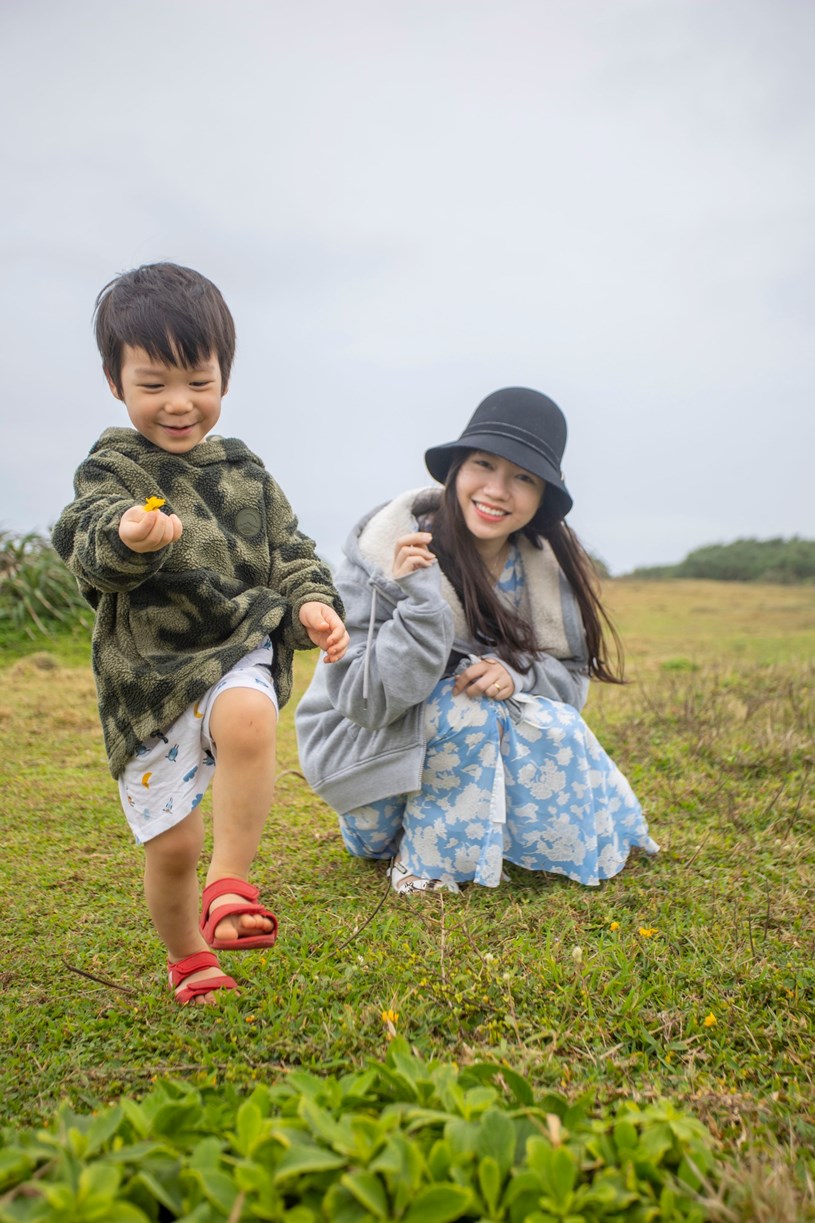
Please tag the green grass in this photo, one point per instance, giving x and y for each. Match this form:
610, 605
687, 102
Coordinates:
716, 735
69, 645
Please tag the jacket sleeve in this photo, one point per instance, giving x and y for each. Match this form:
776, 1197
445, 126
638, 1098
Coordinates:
295, 570
558, 679
395, 664
86, 534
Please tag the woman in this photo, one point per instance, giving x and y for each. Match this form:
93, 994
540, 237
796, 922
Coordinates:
449, 737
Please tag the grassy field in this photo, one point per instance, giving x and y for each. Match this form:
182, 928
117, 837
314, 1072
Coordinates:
690, 976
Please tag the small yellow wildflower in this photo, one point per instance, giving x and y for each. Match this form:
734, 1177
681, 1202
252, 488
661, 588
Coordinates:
648, 931
577, 954
390, 1019
615, 925
710, 1020
153, 503
250, 1019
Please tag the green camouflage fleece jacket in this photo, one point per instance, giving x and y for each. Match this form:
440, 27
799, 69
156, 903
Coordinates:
170, 624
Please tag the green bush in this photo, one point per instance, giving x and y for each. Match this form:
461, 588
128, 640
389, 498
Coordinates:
37, 593
788, 562
399, 1140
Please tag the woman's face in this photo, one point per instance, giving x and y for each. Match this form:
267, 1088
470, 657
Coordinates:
496, 498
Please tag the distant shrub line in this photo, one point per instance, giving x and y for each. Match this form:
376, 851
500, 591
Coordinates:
39, 597
788, 562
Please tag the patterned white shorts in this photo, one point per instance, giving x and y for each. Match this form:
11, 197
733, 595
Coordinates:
169, 773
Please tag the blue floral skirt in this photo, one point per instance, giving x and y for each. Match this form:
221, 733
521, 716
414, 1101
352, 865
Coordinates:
523, 780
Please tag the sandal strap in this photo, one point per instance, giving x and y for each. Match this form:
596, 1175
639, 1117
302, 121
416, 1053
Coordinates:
179, 971
185, 993
211, 918
228, 884
190, 964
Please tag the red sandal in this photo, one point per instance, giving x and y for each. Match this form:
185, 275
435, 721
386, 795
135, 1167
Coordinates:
182, 969
209, 921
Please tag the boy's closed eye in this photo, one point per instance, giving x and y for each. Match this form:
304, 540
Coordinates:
200, 384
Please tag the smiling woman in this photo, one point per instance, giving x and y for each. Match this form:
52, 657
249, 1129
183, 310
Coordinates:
449, 739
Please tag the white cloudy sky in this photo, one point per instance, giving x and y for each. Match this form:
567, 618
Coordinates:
410, 203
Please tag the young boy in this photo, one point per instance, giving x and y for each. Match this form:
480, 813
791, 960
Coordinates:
203, 588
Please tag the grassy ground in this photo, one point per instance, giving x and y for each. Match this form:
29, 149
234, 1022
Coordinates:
689, 976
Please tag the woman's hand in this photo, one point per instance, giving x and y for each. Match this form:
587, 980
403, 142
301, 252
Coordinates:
412, 553
485, 678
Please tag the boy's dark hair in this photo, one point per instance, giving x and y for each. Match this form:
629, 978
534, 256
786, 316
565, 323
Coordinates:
173, 313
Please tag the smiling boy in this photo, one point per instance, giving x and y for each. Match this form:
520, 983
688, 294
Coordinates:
203, 587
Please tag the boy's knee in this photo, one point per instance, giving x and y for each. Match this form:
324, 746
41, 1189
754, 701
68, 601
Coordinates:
243, 720
179, 848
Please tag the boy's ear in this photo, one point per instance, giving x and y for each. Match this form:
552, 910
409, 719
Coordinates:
114, 390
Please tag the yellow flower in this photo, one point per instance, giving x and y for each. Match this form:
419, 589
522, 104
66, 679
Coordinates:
153, 503
615, 925
710, 1020
250, 1019
648, 931
390, 1018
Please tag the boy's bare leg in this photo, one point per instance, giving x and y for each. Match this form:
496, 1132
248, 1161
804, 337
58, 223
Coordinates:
243, 726
171, 892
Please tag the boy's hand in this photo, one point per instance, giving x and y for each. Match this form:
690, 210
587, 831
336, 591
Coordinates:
148, 530
325, 629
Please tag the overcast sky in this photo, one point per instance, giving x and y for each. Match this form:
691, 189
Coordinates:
410, 203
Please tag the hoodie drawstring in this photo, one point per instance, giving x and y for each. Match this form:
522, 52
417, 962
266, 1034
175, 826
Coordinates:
369, 645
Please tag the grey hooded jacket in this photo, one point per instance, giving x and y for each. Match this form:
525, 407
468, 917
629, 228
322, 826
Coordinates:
360, 725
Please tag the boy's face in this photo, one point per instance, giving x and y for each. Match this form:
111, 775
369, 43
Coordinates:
172, 406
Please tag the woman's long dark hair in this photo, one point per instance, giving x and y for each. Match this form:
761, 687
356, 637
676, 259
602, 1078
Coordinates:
489, 619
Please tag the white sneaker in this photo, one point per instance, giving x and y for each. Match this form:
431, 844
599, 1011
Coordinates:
408, 885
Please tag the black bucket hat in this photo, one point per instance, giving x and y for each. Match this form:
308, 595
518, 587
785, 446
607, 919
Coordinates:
521, 425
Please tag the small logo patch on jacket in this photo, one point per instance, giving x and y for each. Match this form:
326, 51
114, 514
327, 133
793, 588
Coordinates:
248, 521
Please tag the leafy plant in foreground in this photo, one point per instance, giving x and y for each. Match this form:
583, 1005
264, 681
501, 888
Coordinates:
36, 590
399, 1140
